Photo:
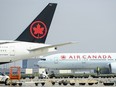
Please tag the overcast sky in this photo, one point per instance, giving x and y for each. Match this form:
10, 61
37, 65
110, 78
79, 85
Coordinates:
92, 23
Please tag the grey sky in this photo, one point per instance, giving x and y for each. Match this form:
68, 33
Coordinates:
92, 23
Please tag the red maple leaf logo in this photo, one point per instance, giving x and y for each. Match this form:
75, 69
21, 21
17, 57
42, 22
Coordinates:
63, 57
38, 30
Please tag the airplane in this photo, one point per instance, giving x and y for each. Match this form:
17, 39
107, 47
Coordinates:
31, 42
79, 61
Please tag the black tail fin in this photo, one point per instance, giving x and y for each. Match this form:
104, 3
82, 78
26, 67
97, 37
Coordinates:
37, 31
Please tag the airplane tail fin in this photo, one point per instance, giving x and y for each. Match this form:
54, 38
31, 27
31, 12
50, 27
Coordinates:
37, 31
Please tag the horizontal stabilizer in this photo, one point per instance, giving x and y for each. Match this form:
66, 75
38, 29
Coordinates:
51, 46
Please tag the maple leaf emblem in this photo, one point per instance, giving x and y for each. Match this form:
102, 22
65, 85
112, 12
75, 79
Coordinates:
38, 30
63, 57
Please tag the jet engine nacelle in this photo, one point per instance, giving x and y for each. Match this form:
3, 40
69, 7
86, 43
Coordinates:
113, 67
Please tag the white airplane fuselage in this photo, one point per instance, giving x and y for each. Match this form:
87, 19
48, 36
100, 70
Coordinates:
15, 50
80, 61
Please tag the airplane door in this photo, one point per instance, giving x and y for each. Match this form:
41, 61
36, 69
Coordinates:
55, 60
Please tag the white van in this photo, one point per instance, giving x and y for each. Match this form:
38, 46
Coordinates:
4, 79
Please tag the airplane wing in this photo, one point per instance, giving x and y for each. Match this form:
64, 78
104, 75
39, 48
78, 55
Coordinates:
51, 46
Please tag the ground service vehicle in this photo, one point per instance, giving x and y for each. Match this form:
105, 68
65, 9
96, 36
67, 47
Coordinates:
4, 79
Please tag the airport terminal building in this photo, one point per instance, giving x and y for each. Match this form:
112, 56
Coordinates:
29, 63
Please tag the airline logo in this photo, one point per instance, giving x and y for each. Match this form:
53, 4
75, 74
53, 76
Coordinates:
86, 57
38, 29
63, 57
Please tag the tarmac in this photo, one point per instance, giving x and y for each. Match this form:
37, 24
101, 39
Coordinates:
49, 85
48, 82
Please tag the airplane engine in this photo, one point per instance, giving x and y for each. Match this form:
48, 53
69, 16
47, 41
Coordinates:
113, 67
